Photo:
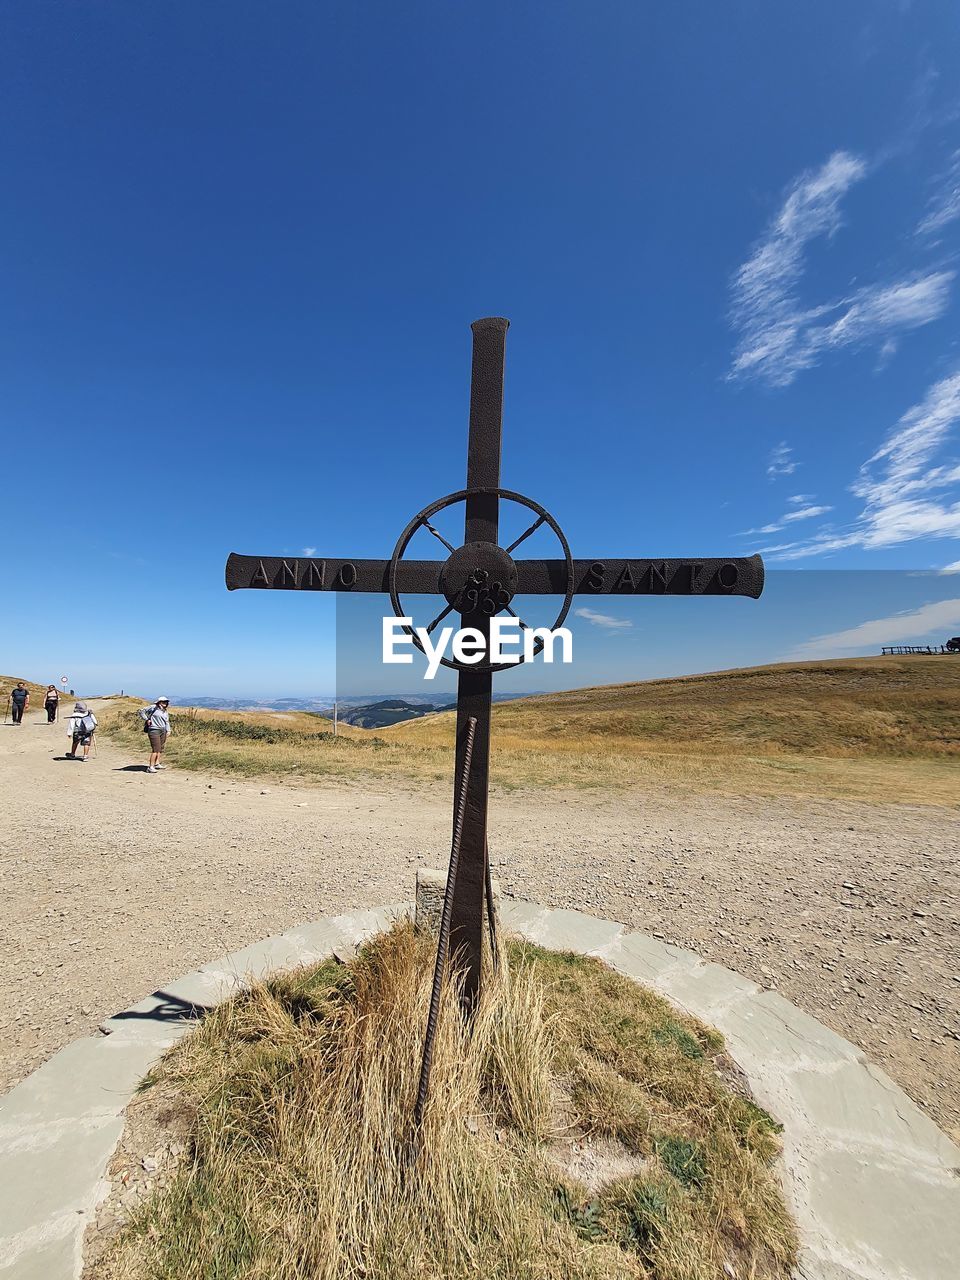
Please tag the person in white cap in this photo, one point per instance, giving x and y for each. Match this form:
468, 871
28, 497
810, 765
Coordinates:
156, 724
83, 725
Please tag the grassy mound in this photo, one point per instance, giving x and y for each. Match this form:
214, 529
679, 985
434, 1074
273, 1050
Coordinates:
300, 1097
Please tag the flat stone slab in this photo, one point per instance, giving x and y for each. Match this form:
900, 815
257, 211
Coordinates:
49, 1180
524, 918
648, 959
712, 988
360, 925
44, 1256
873, 1184
90, 1079
883, 1222
263, 958
560, 930
858, 1106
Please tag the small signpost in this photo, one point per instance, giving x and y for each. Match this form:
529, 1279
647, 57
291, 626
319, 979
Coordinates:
478, 580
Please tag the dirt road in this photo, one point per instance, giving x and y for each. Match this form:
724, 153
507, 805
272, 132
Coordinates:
115, 881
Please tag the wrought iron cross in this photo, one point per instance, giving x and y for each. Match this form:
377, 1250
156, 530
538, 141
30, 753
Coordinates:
478, 580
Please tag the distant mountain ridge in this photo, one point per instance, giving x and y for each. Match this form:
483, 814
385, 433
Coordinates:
378, 715
321, 705
371, 711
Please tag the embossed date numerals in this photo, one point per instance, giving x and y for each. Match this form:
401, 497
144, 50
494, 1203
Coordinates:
480, 595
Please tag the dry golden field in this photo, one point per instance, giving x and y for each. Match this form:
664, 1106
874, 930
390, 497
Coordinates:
884, 729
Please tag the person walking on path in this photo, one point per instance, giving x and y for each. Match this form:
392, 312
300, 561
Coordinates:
83, 726
156, 724
19, 702
51, 701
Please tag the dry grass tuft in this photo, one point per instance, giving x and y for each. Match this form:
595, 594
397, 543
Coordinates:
302, 1093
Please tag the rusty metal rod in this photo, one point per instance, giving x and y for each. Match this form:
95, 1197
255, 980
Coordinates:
444, 937
491, 914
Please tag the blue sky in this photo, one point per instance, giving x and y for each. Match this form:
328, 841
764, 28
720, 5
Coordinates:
801, 616
242, 245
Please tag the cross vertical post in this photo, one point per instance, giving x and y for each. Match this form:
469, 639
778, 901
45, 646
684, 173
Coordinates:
478, 580
475, 688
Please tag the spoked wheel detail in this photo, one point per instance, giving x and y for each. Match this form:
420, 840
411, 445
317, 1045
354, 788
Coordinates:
479, 579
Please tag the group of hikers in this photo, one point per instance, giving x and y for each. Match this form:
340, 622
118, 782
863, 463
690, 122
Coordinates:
83, 723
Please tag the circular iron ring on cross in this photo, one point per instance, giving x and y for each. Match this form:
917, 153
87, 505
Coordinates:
478, 578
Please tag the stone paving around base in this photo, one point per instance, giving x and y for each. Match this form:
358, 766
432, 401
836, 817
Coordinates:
873, 1184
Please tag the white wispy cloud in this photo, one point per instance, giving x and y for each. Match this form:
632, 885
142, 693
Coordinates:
308, 551
951, 568
943, 207
779, 546
605, 620
781, 462
778, 336
910, 488
928, 624
886, 353
804, 513
800, 498
789, 517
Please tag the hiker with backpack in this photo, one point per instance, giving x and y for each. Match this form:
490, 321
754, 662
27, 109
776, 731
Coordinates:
156, 724
83, 725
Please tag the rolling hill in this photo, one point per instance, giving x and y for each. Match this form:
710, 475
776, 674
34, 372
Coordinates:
852, 707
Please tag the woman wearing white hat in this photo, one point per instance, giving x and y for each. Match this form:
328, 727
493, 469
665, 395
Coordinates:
156, 724
83, 725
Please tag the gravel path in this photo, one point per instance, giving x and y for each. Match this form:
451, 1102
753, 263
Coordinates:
115, 881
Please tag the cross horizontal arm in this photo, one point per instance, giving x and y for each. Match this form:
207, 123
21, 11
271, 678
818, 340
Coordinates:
692, 576
707, 576
290, 573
